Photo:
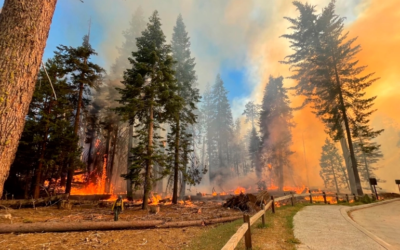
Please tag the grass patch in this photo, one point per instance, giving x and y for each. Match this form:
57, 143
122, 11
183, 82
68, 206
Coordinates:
260, 225
276, 234
216, 237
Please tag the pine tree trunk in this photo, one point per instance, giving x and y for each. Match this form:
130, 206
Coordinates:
366, 166
346, 156
147, 180
176, 163
25, 26
76, 128
111, 170
334, 177
129, 162
348, 133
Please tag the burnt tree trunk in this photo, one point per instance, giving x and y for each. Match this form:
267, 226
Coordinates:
76, 128
147, 180
25, 26
176, 163
111, 169
129, 162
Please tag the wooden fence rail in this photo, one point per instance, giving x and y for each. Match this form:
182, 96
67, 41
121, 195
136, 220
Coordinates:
244, 229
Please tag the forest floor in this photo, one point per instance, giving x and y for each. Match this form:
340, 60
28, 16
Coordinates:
277, 234
169, 238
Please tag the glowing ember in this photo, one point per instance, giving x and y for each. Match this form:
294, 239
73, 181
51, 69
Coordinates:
214, 193
223, 193
239, 190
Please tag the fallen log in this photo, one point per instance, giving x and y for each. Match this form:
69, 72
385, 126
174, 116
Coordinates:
75, 226
32, 202
42, 227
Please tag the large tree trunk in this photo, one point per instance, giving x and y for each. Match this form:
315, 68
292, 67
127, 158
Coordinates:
348, 133
147, 180
76, 128
129, 162
25, 26
176, 163
346, 156
111, 170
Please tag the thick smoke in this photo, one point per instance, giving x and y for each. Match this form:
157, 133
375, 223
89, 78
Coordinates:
245, 35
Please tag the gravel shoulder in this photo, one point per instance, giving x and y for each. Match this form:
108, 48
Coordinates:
324, 227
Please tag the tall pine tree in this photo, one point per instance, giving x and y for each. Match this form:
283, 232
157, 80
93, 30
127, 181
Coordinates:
148, 96
84, 74
184, 117
222, 128
328, 76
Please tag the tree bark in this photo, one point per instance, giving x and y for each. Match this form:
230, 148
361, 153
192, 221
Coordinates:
129, 162
348, 133
76, 128
111, 170
176, 163
25, 26
147, 180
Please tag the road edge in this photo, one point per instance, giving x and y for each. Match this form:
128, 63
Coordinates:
345, 213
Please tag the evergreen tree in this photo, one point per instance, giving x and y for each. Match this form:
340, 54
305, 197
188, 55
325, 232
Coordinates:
184, 117
84, 75
327, 74
275, 129
149, 97
252, 112
254, 149
222, 126
368, 153
47, 142
332, 170
208, 114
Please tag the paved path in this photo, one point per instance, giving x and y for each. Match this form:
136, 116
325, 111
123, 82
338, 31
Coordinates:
383, 221
324, 227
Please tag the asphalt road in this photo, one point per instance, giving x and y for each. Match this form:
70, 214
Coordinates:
382, 220
324, 227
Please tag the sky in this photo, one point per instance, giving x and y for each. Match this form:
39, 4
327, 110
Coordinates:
240, 40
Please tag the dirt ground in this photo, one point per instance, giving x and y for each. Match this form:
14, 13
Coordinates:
170, 238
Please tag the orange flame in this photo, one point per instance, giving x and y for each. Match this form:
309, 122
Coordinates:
214, 193
239, 190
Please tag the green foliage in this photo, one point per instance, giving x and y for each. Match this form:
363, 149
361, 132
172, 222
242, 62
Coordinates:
48, 133
365, 199
149, 98
182, 111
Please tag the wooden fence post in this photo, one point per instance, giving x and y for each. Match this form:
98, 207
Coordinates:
291, 198
347, 198
310, 196
355, 197
323, 193
273, 204
263, 217
247, 236
337, 198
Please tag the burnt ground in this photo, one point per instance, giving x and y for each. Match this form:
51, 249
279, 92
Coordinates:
169, 238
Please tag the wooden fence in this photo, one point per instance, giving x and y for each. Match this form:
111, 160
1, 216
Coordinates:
244, 229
